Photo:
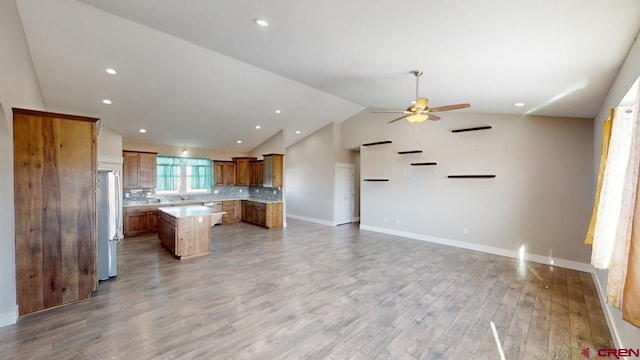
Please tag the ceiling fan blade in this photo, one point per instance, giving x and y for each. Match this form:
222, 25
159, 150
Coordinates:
450, 107
400, 118
390, 112
433, 117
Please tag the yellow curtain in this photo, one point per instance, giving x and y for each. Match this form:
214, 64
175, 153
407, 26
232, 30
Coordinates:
604, 151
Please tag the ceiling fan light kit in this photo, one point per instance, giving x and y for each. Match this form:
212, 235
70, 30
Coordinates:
420, 111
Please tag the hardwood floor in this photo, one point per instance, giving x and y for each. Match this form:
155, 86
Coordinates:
316, 292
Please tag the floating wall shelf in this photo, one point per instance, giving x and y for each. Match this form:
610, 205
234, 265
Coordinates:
376, 180
378, 143
472, 129
409, 152
471, 176
424, 164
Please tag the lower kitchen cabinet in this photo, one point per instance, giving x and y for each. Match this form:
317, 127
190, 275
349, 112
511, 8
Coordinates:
140, 220
234, 211
268, 215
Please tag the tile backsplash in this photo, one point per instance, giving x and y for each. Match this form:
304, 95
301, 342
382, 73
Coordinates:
223, 192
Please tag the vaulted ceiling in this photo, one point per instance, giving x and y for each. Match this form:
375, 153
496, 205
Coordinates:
201, 73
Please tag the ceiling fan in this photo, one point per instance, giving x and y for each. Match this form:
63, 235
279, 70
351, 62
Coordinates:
420, 111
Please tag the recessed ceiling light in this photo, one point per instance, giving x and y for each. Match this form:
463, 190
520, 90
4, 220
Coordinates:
239, 141
518, 104
298, 132
258, 127
111, 71
277, 111
143, 131
107, 101
261, 22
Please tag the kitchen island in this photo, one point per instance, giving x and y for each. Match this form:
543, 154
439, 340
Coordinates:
186, 230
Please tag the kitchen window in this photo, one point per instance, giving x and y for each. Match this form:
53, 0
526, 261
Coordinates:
180, 175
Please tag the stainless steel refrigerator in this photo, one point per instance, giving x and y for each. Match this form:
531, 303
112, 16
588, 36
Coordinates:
109, 223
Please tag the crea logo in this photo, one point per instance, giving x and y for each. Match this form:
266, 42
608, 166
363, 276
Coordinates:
616, 353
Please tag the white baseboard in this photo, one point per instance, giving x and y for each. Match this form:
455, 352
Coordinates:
606, 309
9, 317
310, 219
574, 265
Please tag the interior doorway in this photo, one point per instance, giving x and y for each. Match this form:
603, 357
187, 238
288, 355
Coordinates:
344, 194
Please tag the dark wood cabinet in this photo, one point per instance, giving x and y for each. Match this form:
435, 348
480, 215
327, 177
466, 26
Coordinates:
140, 220
139, 170
272, 170
255, 173
243, 171
267, 215
55, 161
233, 210
224, 173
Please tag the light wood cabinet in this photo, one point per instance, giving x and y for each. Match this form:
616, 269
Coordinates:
268, 215
243, 171
224, 173
233, 210
139, 170
55, 161
255, 173
272, 170
140, 220
186, 236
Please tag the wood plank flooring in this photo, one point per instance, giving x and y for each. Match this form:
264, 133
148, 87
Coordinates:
316, 292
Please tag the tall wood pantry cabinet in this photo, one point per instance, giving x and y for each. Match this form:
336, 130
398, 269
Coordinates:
55, 166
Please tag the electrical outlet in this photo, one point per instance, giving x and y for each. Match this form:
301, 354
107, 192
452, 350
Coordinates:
257, 191
274, 192
216, 191
385, 219
126, 195
199, 219
398, 221
240, 190
465, 231
435, 171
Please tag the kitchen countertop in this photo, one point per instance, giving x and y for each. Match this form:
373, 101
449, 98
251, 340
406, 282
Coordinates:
188, 211
186, 202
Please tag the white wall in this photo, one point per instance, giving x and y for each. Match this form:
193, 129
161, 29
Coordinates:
625, 334
18, 88
273, 145
310, 177
109, 143
539, 199
170, 150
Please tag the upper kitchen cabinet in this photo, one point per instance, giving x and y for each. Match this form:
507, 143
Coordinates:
243, 171
255, 173
139, 170
224, 173
55, 161
272, 170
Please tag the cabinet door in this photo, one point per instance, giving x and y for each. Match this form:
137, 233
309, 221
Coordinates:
244, 211
261, 216
227, 206
167, 234
237, 210
229, 174
256, 173
242, 173
147, 168
130, 165
136, 224
218, 173
153, 221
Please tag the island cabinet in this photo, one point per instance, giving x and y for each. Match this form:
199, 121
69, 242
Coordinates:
272, 170
140, 220
233, 209
186, 230
255, 173
138, 170
243, 171
55, 161
263, 214
224, 173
